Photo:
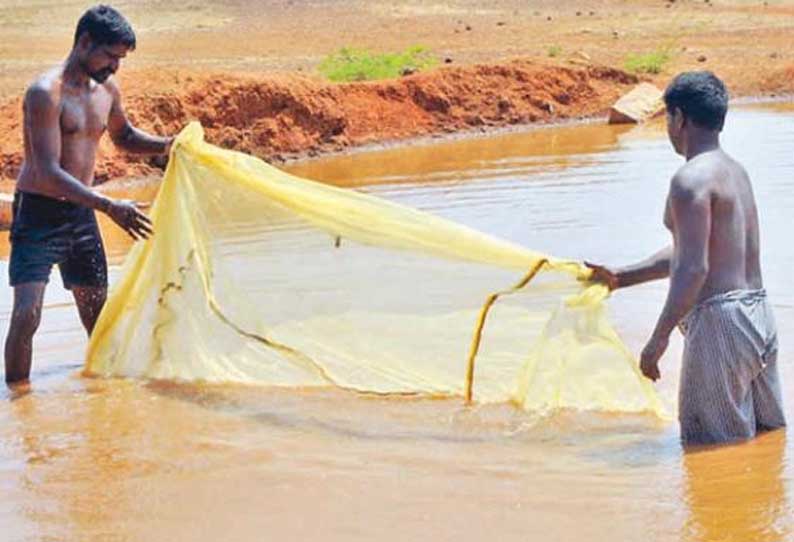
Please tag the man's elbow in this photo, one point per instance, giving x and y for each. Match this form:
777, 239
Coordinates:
123, 137
48, 172
48, 175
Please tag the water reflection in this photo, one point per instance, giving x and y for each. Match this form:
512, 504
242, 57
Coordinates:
737, 493
541, 149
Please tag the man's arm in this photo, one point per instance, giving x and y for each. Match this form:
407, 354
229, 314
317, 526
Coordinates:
42, 122
690, 213
128, 137
653, 268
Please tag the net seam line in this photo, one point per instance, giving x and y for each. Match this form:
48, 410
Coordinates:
477, 337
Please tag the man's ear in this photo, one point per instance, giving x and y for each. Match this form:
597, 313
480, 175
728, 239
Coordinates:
84, 42
679, 120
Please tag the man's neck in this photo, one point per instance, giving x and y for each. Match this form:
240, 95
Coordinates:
74, 74
701, 141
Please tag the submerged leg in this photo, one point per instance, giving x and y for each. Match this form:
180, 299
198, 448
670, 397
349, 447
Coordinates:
25, 318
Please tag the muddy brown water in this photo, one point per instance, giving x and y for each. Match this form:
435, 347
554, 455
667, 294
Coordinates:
96, 460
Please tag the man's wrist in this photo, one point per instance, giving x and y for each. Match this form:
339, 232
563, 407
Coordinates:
662, 332
105, 204
620, 278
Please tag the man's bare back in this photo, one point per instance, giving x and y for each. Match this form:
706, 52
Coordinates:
730, 388
733, 244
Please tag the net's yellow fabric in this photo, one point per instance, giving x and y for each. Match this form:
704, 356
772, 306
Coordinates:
257, 276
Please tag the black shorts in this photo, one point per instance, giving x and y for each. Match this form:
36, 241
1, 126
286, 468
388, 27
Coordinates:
47, 231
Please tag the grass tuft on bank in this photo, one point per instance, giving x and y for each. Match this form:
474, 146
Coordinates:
652, 62
349, 64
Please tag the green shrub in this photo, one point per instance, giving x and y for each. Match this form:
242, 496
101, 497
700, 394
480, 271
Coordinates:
349, 64
652, 62
554, 50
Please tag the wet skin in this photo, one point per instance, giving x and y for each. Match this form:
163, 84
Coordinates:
712, 216
66, 112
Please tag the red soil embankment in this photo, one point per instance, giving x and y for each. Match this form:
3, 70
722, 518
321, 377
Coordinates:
780, 81
284, 116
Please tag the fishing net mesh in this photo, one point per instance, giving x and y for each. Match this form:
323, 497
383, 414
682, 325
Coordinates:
256, 276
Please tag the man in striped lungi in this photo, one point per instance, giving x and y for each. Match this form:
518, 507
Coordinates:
730, 388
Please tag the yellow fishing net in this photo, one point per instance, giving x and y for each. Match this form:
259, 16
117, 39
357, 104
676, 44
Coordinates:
257, 276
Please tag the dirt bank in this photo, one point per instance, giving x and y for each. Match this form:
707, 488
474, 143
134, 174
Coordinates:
247, 68
284, 116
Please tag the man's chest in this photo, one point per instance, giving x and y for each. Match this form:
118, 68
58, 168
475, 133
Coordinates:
85, 115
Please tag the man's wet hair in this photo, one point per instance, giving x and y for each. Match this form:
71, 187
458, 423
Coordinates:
105, 26
700, 96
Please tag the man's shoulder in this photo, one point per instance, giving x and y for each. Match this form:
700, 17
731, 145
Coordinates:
692, 180
703, 171
111, 86
707, 173
44, 89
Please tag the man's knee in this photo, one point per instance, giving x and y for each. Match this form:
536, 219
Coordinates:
90, 302
98, 301
25, 317
90, 298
